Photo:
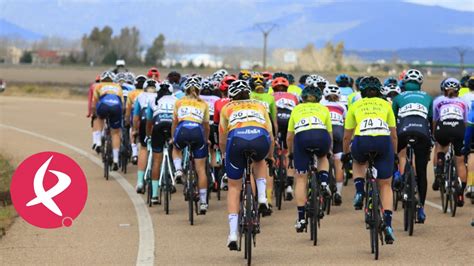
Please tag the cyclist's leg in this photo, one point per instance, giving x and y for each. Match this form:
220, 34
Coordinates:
98, 124
115, 118
338, 132
301, 161
142, 158
422, 156
158, 139
178, 154
360, 146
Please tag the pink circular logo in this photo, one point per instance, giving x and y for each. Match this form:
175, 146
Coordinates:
49, 190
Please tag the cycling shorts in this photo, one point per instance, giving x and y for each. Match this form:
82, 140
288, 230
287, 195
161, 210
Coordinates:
192, 133
382, 146
110, 106
337, 136
239, 140
160, 134
412, 127
318, 139
450, 131
142, 130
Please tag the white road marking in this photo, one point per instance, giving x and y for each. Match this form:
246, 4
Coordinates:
146, 246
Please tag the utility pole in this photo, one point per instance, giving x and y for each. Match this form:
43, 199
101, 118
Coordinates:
265, 28
461, 51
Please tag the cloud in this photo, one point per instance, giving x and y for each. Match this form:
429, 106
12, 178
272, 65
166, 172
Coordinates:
461, 5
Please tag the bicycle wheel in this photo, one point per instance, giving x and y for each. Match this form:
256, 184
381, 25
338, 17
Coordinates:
411, 204
190, 192
374, 228
249, 231
454, 189
316, 204
166, 189
149, 190
278, 187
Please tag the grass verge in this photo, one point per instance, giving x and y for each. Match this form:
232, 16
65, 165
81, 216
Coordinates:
7, 212
46, 91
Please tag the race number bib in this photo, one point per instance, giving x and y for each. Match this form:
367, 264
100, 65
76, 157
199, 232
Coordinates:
164, 111
413, 109
373, 126
284, 103
451, 112
309, 123
190, 112
337, 119
246, 115
109, 89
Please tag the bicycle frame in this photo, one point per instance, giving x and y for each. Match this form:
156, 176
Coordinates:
166, 162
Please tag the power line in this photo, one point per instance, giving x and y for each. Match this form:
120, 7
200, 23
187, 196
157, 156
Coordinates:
265, 28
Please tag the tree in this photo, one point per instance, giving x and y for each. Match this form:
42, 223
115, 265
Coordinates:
26, 57
157, 51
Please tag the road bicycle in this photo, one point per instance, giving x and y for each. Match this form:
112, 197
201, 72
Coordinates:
106, 149
249, 218
316, 201
191, 192
449, 186
279, 174
148, 171
410, 190
125, 149
166, 183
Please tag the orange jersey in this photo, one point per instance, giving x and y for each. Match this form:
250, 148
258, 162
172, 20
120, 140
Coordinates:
132, 96
190, 109
105, 88
244, 113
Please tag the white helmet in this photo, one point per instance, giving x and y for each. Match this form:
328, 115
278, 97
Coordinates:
331, 90
120, 62
392, 87
107, 74
320, 80
120, 77
413, 75
237, 87
311, 79
223, 72
452, 84
193, 82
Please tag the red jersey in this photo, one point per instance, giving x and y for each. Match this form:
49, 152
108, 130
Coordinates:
218, 107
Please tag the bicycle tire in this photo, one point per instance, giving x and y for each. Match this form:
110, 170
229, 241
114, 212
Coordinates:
167, 190
374, 230
190, 192
277, 188
249, 232
454, 193
316, 210
149, 191
411, 201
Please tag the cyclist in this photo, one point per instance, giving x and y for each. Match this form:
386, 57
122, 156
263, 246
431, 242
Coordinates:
464, 85
244, 125
258, 93
337, 111
96, 134
191, 125
390, 89
107, 104
372, 124
132, 96
159, 115
449, 118
468, 138
302, 81
139, 128
285, 103
153, 73
208, 95
413, 109
355, 96
244, 74
122, 79
119, 66
343, 81
292, 88
309, 127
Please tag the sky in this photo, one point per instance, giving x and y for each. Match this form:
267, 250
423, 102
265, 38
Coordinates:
462, 5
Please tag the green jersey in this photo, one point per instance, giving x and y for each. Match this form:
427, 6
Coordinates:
268, 100
413, 103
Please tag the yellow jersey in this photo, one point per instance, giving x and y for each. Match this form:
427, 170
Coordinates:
132, 96
244, 113
190, 109
105, 88
463, 91
307, 116
370, 117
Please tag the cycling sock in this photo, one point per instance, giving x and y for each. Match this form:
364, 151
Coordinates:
323, 176
134, 149
233, 222
339, 188
261, 187
177, 164
387, 217
203, 195
115, 153
289, 181
140, 176
470, 178
94, 138
269, 195
359, 185
301, 213
154, 185
97, 138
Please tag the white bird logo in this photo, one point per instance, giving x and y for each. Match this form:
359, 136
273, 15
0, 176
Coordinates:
46, 197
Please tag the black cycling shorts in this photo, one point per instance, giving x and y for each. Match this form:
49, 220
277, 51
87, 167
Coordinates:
160, 134
413, 127
337, 136
450, 131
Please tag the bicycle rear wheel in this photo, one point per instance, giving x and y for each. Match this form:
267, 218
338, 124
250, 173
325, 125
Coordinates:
410, 205
278, 187
249, 231
374, 229
166, 185
315, 198
190, 192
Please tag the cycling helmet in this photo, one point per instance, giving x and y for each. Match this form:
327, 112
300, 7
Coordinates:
174, 77
452, 84
470, 83
390, 80
464, 80
193, 82
217, 77
331, 90
370, 82
267, 75
256, 80
122, 76
390, 87
107, 75
291, 78
280, 81
165, 86
207, 85
303, 78
139, 80
226, 81
223, 72
321, 82
153, 71
130, 78
245, 74
311, 90
343, 80
237, 87
120, 62
280, 74
413, 75
311, 79
150, 83
357, 82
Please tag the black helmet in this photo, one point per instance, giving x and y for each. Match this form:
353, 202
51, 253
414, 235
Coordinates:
174, 77
303, 78
312, 90
370, 82
280, 74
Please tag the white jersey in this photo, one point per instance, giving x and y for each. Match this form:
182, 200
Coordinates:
210, 100
142, 102
337, 110
163, 110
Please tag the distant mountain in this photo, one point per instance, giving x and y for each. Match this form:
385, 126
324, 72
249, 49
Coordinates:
10, 30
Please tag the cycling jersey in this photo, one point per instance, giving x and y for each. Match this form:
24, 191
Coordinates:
469, 134
108, 88
179, 94
132, 96
307, 116
244, 113
193, 110
268, 101
293, 89
370, 117
161, 113
445, 108
210, 100
285, 103
353, 97
127, 88
90, 95
139, 109
345, 92
413, 103
463, 91
338, 111
218, 105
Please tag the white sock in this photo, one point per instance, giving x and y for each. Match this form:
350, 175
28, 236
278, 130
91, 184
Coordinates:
94, 139
203, 195
339, 188
261, 187
115, 153
97, 138
177, 164
233, 223
134, 149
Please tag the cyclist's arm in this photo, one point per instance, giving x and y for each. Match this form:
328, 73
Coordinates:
289, 140
149, 121
348, 133
273, 113
394, 137
223, 131
136, 117
205, 123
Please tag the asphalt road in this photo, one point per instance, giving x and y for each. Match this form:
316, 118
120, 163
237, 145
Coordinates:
109, 232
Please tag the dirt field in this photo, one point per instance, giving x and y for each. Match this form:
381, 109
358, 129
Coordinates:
78, 78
